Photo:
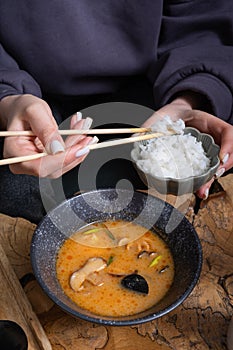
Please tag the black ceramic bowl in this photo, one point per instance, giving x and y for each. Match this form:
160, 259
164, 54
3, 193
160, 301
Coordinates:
141, 208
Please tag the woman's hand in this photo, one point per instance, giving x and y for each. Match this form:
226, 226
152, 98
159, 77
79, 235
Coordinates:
221, 131
27, 112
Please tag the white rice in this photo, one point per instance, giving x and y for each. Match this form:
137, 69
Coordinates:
174, 156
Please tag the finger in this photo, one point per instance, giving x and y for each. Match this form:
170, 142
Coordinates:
75, 119
39, 145
49, 164
21, 145
76, 123
31, 145
58, 162
226, 151
56, 165
203, 191
83, 124
152, 120
81, 154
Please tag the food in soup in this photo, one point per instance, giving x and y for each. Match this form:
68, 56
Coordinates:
118, 280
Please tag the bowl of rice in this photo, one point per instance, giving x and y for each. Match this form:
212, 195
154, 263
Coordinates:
176, 163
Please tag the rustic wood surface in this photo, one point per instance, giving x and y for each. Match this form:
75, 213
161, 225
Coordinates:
199, 323
16, 307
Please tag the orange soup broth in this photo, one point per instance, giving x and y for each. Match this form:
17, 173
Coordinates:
111, 298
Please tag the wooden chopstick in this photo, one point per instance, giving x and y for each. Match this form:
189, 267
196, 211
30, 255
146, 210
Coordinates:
78, 132
104, 144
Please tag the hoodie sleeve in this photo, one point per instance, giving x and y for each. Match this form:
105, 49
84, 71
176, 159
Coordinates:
13, 80
196, 53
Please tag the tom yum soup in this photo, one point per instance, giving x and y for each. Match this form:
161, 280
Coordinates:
118, 279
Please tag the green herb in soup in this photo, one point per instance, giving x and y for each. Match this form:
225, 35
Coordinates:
118, 280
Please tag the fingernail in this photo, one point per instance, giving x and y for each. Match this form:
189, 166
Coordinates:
206, 194
225, 158
220, 172
93, 140
87, 123
82, 151
78, 116
56, 147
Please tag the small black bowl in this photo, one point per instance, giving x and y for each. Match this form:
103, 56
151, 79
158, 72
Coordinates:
12, 336
100, 205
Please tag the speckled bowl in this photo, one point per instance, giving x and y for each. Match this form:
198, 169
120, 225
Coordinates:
189, 184
139, 207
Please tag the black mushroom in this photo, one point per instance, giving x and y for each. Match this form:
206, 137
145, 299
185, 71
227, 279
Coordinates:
135, 283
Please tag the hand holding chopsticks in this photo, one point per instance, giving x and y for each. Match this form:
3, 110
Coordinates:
110, 143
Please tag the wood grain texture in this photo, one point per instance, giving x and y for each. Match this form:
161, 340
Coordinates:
200, 323
16, 307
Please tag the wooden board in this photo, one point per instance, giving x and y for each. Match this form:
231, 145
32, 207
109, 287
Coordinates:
16, 307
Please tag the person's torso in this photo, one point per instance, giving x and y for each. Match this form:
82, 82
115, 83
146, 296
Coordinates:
81, 47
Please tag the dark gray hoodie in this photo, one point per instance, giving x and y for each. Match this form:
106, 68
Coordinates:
86, 47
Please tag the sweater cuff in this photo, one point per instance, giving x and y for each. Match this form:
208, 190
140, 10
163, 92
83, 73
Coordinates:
217, 93
22, 83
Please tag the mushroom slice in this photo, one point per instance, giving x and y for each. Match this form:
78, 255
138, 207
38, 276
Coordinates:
95, 279
78, 277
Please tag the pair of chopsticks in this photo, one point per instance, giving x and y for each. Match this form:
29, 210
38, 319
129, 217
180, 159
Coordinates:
104, 144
